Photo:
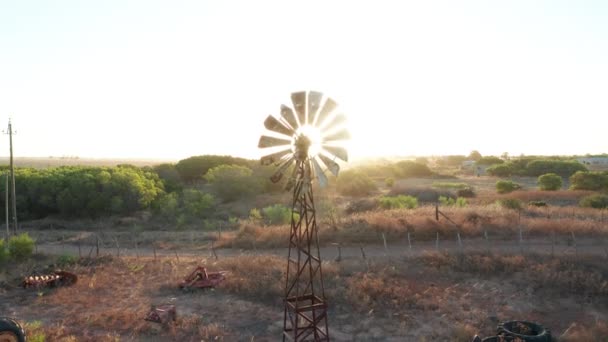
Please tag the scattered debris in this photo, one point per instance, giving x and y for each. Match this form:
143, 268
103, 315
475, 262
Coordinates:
200, 278
162, 314
57, 278
10, 330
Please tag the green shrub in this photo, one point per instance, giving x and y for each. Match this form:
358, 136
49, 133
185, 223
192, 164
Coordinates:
278, 214
506, 186
510, 203
449, 201
66, 260
589, 180
389, 181
255, 215
550, 182
355, 183
21, 246
3, 251
395, 202
598, 201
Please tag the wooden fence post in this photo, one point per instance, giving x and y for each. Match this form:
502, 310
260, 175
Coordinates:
437, 242
385, 247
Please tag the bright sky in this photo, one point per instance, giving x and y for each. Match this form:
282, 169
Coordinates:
172, 79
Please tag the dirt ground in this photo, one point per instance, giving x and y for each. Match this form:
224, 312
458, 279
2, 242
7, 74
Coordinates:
432, 297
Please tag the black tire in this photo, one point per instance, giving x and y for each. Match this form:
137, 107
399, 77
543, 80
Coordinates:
534, 331
11, 330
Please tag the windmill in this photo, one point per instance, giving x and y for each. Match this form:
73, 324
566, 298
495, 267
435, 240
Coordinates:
305, 144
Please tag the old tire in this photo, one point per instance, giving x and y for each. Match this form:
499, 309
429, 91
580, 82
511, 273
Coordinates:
11, 331
497, 339
524, 330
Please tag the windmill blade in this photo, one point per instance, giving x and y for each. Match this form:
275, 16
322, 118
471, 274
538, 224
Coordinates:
339, 135
299, 102
279, 174
289, 116
328, 108
314, 101
337, 151
266, 141
274, 157
272, 124
331, 165
319, 173
336, 121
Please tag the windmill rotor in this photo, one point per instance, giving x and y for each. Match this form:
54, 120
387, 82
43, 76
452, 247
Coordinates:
310, 132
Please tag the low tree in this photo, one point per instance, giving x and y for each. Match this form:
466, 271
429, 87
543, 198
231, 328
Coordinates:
231, 182
550, 182
474, 155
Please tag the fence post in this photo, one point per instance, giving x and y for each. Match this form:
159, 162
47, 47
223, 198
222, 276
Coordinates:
213, 250
79, 253
117, 247
459, 241
136, 248
97, 245
437, 242
521, 241
552, 243
362, 251
409, 241
154, 249
574, 242
385, 247
339, 256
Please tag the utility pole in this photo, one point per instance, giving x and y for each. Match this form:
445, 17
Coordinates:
8, 230
13, 192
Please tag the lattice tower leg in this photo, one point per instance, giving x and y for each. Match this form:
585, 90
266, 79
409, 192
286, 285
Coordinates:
305, 316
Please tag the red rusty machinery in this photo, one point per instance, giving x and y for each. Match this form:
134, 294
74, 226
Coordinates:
200, 278
57, 278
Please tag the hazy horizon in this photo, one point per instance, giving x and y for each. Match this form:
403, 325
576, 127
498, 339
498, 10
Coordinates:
119, 80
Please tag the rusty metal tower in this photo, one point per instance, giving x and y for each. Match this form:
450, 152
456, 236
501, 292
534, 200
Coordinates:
301, 142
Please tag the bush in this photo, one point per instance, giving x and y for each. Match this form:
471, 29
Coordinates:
593, 180
489, 160
21, 246
390, 181
278, 214
510, 203
501, 170
194, 168
537, 203
361, 205
409, 168
506, 186
598, 201
467, 193
550, 182
3, 251
66, 260
563, 168
355, 183
401, 201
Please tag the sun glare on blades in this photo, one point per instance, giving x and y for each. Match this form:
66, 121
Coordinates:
314, 135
